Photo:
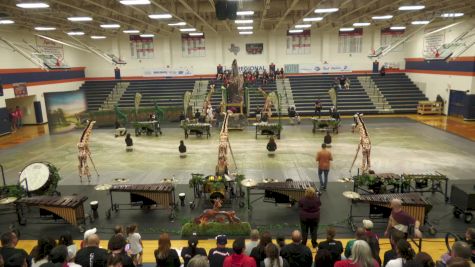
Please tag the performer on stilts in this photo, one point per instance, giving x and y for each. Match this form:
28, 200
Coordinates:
364, 144
84, 153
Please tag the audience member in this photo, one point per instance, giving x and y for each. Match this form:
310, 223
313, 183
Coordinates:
323, 258
58, 257
116, 248
360, 256
372, 239
309, 215
335, 247
405, 253
458, 262
296, 253
187, 253
67, 240
91, 255
198, 261
9, 253
165, 256
253, 242
360, 234
136, 246
17, 259
470, 239
273, 259
39, 254
239, 258
259, 252
423, 259
114, 261
217, 255
391, 254
280, 241
119, 230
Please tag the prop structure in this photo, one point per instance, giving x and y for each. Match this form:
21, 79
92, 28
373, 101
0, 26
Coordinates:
271, 100
84, 153
364, 144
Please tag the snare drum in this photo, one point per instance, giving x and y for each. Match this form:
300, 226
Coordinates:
37, 177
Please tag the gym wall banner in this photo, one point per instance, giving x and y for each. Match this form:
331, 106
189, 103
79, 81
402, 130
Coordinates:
64, 110
168, 72
20, 90
323, 68
254, 49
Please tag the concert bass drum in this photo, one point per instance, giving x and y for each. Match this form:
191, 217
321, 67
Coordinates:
39, 178
214, 185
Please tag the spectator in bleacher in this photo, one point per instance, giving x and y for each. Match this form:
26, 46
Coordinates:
198, 261
91, 253
129, 143
323, 258
259, 252
280, 241
9, 240
58, 257
187, 253
217, 255
335, 247
271, 67
273, 259
265, 77
165, 256
309, 215
136, 246
327, 139
253, 242
318, 107
219, 72
342, 81
16, 260
296, 253
458, 262
116, 248
405, 253
391, 254
423, 259
360, 234
239, 258
382, 72
360, 256
39, 254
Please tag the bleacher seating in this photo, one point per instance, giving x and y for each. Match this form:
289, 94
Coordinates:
306, 89
400, 92
96, 93
166, 92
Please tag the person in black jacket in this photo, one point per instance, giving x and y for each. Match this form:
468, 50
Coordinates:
217, 255
192, 250
116, 247
92, 255
8, 250
259, 252
271, 145
182, 149
165, 256
310, 215
335, 247
296, 253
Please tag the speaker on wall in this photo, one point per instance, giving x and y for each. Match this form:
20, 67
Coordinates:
231, 10
226, 9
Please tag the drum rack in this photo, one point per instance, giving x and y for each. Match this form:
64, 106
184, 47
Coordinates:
232, 185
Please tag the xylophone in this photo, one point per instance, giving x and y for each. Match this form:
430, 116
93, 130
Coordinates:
146, 195
69, 208
281, 192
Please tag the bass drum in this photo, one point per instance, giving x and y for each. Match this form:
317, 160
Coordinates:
37, 178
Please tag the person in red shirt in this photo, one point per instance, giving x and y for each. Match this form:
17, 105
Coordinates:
239, 259
360, 256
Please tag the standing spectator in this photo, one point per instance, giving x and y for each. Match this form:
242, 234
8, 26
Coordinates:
239, 258
217, 255
318, 107
198, 261
91, 255
309, 215
165, 256
187, 253
323, 258
136, 246
335, 247
259, 252
360, 256
323, 159
19, 117
41, 251
253, 242
296, 253
405, 253
391, 254
273, 259
359, 235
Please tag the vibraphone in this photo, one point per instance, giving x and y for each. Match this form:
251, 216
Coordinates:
266, 128
281, 192
68, 208
325, 124
420, 183
162, 196
146, 127
197, 129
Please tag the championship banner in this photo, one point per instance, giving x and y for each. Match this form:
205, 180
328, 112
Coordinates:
432, 42
141, 48
167, 72
50, 47
193, 46
350, 42
389, 37
323, 68
254, 49
19, 89
298, 43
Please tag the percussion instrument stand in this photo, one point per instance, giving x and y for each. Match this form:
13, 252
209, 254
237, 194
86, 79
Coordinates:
26, 186
3, 175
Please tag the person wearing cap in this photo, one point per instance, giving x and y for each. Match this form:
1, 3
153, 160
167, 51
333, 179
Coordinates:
372, 239
239, 259
296, 253
187, 253
217, 255
91, 255
9, 241
86, 235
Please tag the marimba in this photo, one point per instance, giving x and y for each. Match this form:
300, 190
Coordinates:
325, 124
68, 208
281, 192
266, 128
162, 196
197, 129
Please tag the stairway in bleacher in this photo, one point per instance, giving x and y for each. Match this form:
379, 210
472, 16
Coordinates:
306, 89
166, 92
400, 92
97, 92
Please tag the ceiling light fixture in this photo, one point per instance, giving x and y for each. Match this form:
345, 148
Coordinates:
131, 31
347, 29
32, 5
245, 27
75, 33
243, 21
98, 37
147, 35
135, 2
313, 19
295, 31
177, 24
382, 17
75, 19
45, 28
326, 10
6, 21
397, 28
408, 8
245, 13
420, 22
246, 33
196, 34
303, 26
188, 30
452, 15
110, 26
160, 16
361, 24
